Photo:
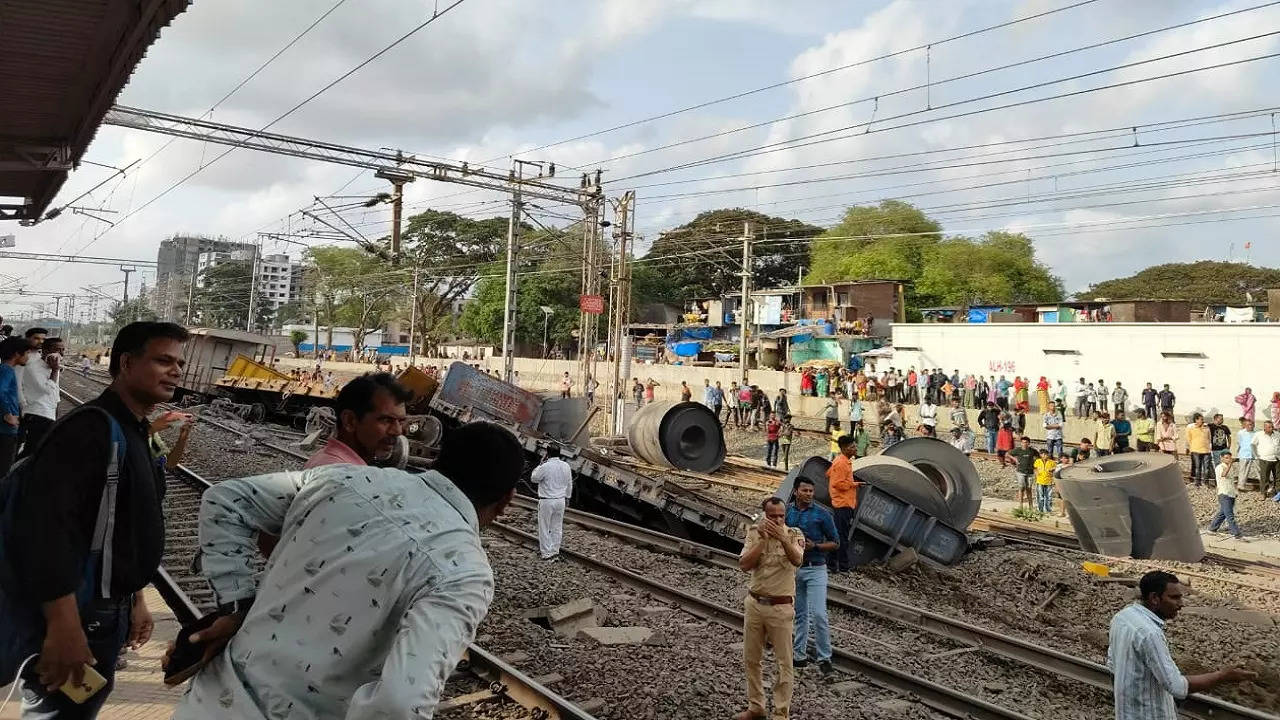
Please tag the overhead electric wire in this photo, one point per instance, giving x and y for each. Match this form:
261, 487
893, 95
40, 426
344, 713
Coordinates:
932, 84
285, 114
810, 76
790, 143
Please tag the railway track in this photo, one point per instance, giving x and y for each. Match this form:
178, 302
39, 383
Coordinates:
482, 678
745, 473
1030, 654
753, 476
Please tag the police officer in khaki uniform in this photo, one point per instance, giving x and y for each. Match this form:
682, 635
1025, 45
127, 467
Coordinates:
771, 554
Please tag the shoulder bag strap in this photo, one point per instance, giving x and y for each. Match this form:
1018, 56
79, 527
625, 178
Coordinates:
104, 528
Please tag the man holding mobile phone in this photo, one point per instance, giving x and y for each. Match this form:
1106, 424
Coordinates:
40, 393
88, 532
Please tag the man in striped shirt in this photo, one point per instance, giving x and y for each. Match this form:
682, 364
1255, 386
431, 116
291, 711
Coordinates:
1146, 680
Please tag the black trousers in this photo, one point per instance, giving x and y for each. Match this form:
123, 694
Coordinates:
8, 452
839, 560
34, 428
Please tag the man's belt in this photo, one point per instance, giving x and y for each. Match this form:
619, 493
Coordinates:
814, 563
772, 599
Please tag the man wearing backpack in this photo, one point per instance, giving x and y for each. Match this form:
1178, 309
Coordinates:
83, 530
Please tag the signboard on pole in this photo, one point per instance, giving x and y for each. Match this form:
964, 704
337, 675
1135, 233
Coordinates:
7, 241
593, 304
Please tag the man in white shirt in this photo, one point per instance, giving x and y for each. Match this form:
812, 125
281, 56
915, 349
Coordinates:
1146, 680
566, 384
1226, 496
554, 479
1247, 464
38, 388
1080, 390
1266, 449
376, 589
928, 413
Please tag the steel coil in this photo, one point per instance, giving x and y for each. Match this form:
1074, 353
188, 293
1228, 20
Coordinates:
684, 435
1134, 504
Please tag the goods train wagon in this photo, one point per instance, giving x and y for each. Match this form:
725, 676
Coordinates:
210, 354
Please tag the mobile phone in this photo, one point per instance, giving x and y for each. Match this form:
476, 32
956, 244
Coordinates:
187, 657
86, 688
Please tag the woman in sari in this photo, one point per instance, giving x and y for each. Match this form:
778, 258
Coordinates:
1042, 394
1021, 398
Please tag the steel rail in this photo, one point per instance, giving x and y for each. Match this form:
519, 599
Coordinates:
223, 426
1201, 707
939, 697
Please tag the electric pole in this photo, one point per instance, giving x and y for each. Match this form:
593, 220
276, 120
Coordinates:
509, 305
743, 317
124, 306
398, 178
413, 313
620, 307
253, 285
592, 271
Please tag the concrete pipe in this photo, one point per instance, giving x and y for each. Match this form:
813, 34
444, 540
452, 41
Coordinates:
950, 471
682, 435
1133, 504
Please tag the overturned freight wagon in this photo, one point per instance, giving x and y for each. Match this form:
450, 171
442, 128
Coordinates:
212, 353
919, 497
601, 485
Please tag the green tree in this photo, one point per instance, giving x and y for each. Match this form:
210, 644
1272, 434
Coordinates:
355, 289
223, 299
550, 277
706, 254
124, 313
1203, 282
897, 241
296, 337
448, 251
293, 312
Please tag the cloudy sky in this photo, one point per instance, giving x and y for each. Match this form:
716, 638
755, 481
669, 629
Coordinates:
983, 132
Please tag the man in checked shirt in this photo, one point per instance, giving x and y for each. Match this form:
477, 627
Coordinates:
1146, 680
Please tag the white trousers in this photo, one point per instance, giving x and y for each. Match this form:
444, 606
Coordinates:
550, 526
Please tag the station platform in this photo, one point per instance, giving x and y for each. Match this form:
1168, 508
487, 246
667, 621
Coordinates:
140, 692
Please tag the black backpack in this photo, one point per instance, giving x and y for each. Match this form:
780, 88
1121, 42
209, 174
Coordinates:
22, 625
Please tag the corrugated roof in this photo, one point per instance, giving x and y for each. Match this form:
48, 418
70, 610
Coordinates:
62, 64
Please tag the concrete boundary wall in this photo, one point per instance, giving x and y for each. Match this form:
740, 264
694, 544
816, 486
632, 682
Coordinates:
1205, 364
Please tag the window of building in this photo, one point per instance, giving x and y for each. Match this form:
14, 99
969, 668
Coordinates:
1184, 355
1047, 351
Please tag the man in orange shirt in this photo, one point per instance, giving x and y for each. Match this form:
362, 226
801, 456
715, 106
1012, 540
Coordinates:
844, 498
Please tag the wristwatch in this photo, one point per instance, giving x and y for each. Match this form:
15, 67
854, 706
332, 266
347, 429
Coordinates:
236, 607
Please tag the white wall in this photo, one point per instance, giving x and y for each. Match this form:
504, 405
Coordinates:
1235, 356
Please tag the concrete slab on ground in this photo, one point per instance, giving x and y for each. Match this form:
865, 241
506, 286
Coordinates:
140, 692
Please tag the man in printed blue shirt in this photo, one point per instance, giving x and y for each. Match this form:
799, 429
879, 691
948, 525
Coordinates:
820, 538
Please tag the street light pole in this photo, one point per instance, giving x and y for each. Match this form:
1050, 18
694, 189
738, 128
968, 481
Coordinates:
546, 320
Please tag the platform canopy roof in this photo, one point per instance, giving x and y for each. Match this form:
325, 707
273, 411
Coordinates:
62, 64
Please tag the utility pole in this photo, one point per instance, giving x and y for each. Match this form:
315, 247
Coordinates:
413, 313
592, 271
253, 285
398, 178
509, 305
743, 317
315, 339
620, 306
127, 270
